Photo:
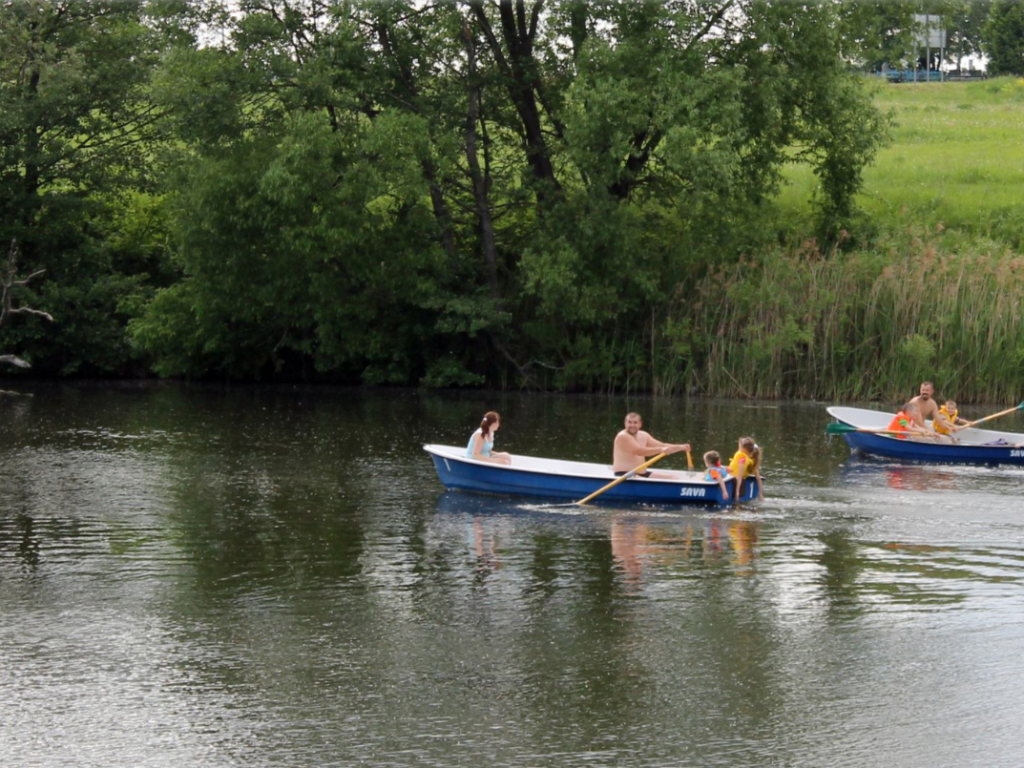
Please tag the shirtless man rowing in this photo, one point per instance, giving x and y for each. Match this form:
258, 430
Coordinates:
633, 445
926, 403
927, 408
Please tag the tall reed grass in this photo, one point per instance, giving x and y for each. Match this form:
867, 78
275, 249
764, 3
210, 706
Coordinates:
861, 325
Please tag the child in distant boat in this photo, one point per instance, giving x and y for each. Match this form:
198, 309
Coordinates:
904, 425
715, 471
949, 420
746, 462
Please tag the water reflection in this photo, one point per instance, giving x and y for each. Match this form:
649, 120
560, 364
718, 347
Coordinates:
642, 548
232, 568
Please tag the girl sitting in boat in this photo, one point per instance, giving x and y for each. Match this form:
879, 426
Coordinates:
481, 443
746, 462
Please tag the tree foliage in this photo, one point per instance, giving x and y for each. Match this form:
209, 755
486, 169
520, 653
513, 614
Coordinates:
75, 131
438, 193
448, 193
1004, 33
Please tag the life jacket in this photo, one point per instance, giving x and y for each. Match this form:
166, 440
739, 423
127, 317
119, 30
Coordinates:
716, 473
900, 423
939, 426
748, 465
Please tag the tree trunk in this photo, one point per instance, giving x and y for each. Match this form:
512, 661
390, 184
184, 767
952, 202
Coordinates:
483, 210
523, 82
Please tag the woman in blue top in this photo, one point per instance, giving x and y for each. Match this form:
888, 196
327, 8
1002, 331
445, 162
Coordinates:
481, 444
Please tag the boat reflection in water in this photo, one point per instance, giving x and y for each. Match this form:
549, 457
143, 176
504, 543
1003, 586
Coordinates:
868, 470
642, 545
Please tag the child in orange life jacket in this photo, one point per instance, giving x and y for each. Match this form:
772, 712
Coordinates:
904, 424
746, 462
949, 420
716, 471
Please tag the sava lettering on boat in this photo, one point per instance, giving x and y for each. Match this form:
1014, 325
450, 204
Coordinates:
691, 491
1016, 453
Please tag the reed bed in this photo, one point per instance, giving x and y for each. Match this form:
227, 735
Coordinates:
864, 325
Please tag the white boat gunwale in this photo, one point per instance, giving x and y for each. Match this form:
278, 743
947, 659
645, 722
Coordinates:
563, 467
973, 437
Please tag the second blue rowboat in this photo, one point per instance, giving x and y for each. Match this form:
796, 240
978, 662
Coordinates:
975, 446
574, 480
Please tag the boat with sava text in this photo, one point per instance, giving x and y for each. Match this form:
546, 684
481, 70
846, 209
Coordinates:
575, 480
973, 446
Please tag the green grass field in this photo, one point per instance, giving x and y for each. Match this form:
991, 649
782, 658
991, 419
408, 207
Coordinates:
929, 287
956, 159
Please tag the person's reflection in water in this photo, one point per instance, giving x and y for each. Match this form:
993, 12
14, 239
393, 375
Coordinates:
487, 560
713, 537
635, 544
919, 479
743, 537
627, 542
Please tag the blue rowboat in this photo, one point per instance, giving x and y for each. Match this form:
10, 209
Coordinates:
575, 480
975, 446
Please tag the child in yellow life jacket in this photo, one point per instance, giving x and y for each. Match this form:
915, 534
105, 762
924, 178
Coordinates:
949, 420
746, 462
716, 471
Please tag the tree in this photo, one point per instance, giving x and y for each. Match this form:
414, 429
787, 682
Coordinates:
9, 283
877, 33
965, 29
75, 119
437, 192
1004, 38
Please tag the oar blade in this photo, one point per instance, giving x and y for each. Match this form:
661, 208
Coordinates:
836, 428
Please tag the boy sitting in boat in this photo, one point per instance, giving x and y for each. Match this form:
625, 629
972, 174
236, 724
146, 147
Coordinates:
948, 420
904, 425
715, 471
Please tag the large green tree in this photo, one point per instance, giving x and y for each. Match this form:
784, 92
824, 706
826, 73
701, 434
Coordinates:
438, 192
1004, 38
74, 120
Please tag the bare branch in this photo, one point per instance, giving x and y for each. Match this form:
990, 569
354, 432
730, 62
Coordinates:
8, 282
30, 311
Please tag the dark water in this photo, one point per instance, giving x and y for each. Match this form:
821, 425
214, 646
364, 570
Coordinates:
206, 577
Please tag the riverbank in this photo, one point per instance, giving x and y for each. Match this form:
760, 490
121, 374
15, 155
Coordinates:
928, 287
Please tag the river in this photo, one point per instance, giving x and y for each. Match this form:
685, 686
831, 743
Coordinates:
207, 576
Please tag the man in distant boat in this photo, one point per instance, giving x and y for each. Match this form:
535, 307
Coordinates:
633, 445
927, 408
925, 402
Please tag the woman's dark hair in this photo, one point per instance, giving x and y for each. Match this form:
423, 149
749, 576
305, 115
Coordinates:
485, 425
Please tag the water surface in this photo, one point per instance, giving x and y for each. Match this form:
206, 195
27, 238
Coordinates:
196, 576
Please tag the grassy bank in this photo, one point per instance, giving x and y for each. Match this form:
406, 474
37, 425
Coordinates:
956, 161
931, 289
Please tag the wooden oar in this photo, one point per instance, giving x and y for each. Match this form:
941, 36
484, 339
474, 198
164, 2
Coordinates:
622, 478
689, 460
842, 429
1008, 411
